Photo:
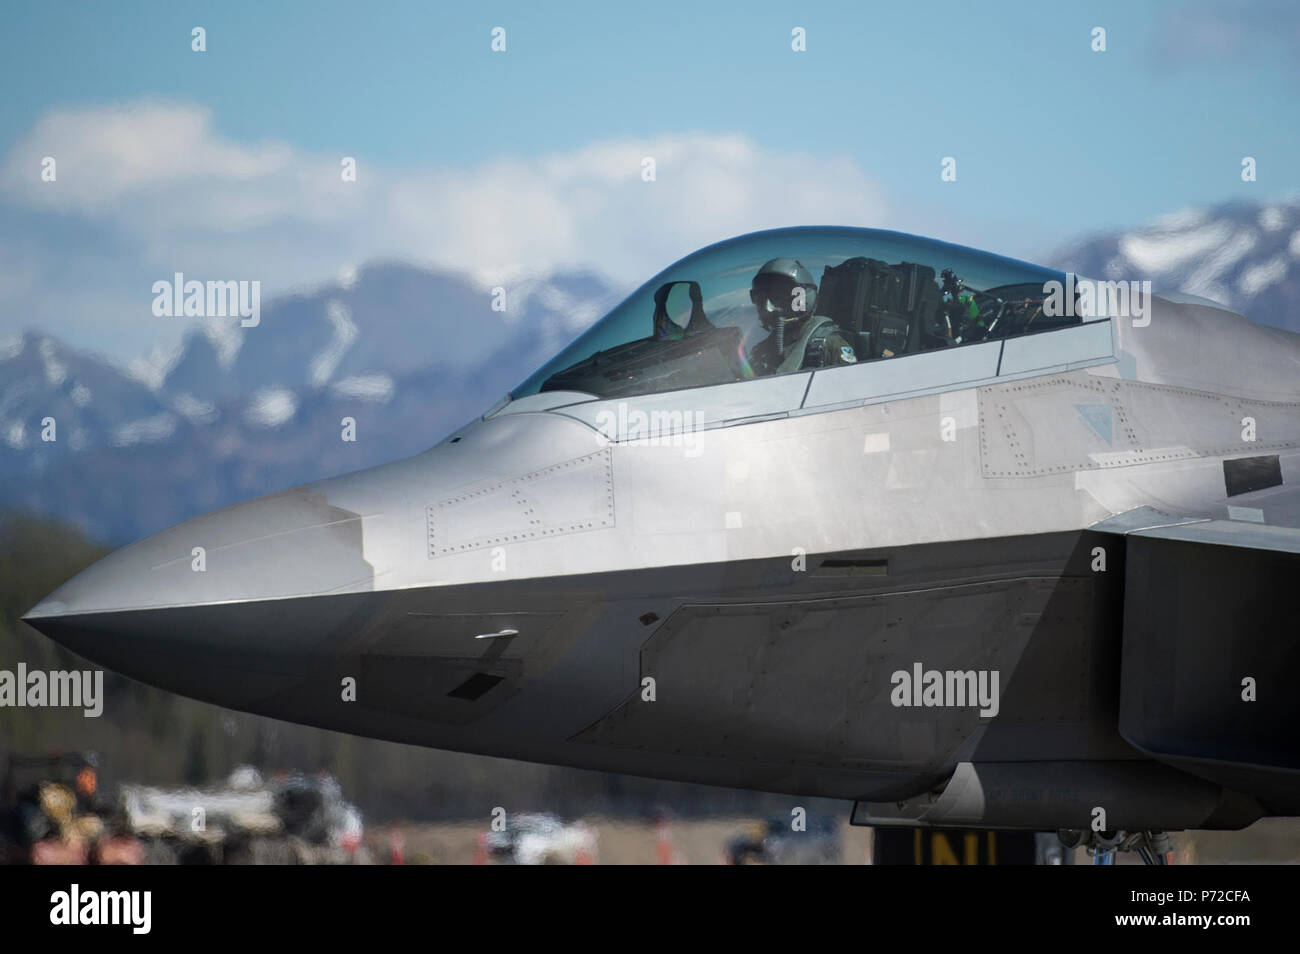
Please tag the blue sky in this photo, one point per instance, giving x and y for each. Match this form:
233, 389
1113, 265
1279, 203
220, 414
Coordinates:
518, 151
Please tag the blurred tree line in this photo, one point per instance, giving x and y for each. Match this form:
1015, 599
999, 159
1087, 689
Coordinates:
154, 737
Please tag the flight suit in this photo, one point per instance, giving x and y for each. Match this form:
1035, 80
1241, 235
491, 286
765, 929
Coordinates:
819, 344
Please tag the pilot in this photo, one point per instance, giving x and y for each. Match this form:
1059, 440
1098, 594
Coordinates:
785, 295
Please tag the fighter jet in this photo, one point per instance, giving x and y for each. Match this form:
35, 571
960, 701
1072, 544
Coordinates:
823, 511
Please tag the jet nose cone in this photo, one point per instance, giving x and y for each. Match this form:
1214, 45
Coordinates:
50, 606
289, 544
216, 607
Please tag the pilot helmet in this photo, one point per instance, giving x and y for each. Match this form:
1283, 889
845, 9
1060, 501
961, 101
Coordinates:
773, 291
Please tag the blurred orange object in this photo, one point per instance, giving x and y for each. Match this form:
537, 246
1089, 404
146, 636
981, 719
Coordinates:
87, 782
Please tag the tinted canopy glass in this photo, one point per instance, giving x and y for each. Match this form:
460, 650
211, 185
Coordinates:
871, 294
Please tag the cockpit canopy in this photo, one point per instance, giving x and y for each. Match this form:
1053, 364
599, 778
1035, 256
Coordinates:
888, 293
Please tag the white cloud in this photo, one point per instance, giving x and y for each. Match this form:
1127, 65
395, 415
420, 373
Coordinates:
168, 192
592, 207
107, 156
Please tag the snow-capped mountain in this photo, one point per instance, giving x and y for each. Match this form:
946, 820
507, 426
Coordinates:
386, 323
234, 412
1243, 255
91, 403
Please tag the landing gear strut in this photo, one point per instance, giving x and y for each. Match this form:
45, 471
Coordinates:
1152, 846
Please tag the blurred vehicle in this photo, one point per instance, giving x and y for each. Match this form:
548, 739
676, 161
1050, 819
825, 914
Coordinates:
775, 842
56, 812
293, 819
532, 838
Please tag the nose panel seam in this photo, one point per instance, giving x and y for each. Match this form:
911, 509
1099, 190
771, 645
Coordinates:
267, 536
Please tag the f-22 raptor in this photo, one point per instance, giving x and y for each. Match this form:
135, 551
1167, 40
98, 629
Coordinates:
826, 511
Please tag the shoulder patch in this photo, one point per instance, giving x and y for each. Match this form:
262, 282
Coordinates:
847, 355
